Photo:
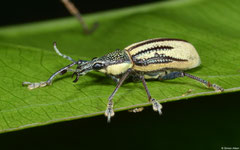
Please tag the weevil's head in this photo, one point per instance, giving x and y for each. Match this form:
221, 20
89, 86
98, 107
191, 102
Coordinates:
115, 63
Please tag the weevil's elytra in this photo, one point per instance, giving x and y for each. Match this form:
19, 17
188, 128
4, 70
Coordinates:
157, 54
159, 59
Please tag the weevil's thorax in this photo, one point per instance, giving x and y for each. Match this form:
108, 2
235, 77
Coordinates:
114, 63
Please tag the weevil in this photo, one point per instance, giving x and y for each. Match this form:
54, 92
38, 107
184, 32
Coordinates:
159, 59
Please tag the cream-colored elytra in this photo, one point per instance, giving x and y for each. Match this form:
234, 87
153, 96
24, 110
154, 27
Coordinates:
178, 49
116, 69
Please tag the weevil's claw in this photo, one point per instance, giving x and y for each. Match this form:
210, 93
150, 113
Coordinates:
74, 74
217, 88
77, 77
109, 113
35, 85
156, 106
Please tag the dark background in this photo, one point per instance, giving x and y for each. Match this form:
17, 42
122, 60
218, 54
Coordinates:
23, 11
209, 122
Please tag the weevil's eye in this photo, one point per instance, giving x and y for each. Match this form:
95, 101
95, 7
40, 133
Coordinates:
97, 66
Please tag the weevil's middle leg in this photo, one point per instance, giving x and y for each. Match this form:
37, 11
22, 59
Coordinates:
156, 105
49, 81
109, 111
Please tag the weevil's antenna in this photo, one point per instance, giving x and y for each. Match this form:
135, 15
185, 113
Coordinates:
60, 54
75, 12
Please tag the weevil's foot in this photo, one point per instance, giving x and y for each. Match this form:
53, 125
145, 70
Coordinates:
156, 106
35, 85
109, 112
217, 88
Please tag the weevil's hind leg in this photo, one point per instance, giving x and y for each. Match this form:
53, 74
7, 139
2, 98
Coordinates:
156, 105
109, 111
49, 81
206, 83
75, 12
174, 75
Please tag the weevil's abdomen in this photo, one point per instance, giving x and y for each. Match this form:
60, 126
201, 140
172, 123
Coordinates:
161, 54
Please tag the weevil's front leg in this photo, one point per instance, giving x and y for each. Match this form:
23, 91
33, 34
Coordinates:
109, 111
156, 105
49, 81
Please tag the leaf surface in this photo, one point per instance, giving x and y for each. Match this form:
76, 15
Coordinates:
26, 54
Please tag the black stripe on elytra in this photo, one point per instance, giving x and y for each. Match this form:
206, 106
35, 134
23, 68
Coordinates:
154, 40
153, 49
156, 60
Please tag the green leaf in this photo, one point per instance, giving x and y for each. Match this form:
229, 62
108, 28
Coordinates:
26, 54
